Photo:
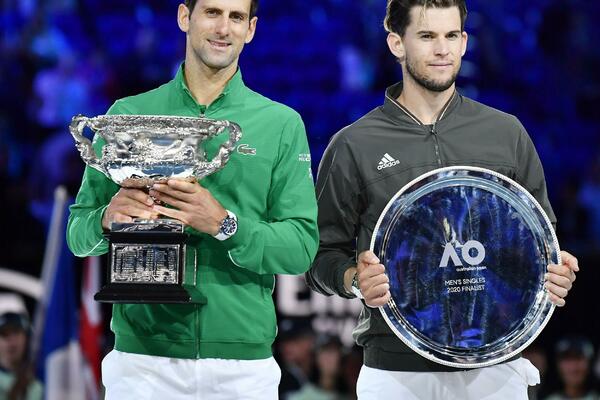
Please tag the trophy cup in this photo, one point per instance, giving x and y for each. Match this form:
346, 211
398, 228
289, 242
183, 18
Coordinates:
466, 250
147, 258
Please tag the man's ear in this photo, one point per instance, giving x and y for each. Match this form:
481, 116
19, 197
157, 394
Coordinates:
465, 39
251, 30
396, 45
183, 18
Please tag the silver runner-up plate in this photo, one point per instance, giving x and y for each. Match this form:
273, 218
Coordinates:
466, 250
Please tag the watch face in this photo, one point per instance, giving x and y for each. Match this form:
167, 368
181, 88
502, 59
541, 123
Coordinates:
466, 250
229, 226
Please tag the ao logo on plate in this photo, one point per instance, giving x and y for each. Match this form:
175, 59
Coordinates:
471, 258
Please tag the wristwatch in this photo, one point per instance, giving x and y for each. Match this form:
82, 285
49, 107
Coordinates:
228, 227
355, 288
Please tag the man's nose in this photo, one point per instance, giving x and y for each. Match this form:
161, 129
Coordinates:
441, 47
222, 27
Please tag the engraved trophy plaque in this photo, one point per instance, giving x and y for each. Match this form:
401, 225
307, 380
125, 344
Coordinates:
466, 250
147, 258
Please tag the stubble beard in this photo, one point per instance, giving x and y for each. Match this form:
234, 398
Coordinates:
428, 83
215, 63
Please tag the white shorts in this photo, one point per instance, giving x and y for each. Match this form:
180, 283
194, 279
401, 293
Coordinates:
137, 376
501, 382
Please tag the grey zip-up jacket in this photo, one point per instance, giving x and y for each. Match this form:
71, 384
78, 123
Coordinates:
366, 164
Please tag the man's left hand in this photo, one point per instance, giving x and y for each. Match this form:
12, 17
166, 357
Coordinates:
193, 205
560, 278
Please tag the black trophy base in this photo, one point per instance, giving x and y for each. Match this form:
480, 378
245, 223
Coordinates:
147, 260
137, 293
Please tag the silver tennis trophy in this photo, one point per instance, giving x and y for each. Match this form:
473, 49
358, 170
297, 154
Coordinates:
147, 258
466, 250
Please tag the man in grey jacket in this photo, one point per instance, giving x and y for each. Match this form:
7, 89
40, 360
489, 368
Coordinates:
423, 124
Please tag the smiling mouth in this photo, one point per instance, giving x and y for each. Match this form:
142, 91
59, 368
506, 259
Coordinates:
218, 44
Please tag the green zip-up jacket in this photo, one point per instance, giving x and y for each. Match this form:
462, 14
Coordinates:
267, 183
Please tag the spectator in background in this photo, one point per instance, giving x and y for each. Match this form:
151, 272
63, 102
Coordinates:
295, 344
574, 358
539, 359
327, 381
16, 377
353, 361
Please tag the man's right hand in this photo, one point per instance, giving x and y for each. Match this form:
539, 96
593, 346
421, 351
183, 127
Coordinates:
372, 280
126, 205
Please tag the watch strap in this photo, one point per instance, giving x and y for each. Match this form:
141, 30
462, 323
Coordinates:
228, 227
355, 288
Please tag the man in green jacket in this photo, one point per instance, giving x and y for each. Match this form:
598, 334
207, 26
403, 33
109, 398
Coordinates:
221, 349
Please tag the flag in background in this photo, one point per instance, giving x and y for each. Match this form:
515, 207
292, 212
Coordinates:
90, 333
67, 371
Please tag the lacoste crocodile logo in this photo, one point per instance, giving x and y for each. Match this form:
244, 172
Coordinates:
246, 150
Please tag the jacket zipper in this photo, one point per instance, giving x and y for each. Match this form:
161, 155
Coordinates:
432, 131
437, 145
435, 133
201, 114
197, 332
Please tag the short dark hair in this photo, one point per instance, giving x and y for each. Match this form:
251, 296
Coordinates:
397, 16
190, 4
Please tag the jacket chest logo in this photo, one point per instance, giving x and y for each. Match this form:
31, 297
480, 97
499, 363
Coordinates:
245, 149
387, 161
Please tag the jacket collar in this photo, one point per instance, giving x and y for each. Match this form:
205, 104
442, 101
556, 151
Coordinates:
230, 95
400, 113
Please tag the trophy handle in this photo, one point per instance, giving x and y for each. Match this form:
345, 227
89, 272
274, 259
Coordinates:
220, 159
83, 144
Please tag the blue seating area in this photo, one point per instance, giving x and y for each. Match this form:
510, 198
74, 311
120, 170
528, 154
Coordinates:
327, 59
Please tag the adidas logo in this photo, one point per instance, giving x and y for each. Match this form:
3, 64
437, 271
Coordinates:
387, 161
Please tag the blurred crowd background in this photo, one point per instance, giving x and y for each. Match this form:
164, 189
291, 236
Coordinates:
328, 59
